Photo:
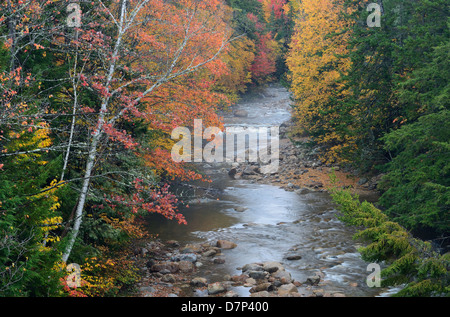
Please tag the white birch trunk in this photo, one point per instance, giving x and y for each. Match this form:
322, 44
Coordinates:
78, 219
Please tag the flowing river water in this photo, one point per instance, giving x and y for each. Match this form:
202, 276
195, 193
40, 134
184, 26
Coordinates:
275, 224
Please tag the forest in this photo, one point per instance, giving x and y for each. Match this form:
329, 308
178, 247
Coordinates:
91, 90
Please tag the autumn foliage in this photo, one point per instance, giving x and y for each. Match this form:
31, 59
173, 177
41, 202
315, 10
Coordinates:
376, 100
86, 117
317, 67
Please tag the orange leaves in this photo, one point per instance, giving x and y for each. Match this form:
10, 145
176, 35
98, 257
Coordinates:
275, 7
160, 161
192, 31
264, 63
149, 200
120, 136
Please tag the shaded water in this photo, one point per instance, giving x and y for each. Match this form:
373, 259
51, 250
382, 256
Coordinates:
275, 224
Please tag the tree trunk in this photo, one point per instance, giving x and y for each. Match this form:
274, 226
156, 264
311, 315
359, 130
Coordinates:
82, 200
12, 22
95, 141
74, 112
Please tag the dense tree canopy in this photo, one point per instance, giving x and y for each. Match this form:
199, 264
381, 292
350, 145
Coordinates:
91, 90
90, 93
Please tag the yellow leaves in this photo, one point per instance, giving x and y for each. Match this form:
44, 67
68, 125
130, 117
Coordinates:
49, 193
316, 69
30, 140
42, 137
239, 59
267, 8
164, 142
103, 276
52, 223
127, 226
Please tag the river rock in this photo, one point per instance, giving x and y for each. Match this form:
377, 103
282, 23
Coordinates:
315, 184
362, 181
172, 243
216, 288
293, 257
147, 290
231, 294
313, 280
186, 266
240, 209
260, 294
258, 275
219, 260
150, 263
199, 282
239, 278
209, 253
260, 287
198, 264
272, 266
170, 267
252, 267
287, 289
269, 169
250, 282
225, 244
191, 248
232, 172
168, 278
190, 257
241, 113
283, 276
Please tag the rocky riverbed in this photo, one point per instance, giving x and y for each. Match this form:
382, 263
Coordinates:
300, 168
171, 269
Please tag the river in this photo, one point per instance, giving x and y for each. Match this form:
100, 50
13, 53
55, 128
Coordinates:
275, 223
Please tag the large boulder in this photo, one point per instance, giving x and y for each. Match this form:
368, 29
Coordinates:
252, 267
287, 289
199, 282
241, 113
225, 244
272, 266
216, 288
283, 276
186, 266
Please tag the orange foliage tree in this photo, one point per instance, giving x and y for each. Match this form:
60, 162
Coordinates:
158, 68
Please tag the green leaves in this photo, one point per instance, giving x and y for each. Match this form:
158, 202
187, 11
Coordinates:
408, 260
416, 188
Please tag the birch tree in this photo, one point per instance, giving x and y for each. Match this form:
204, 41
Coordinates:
126, 78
